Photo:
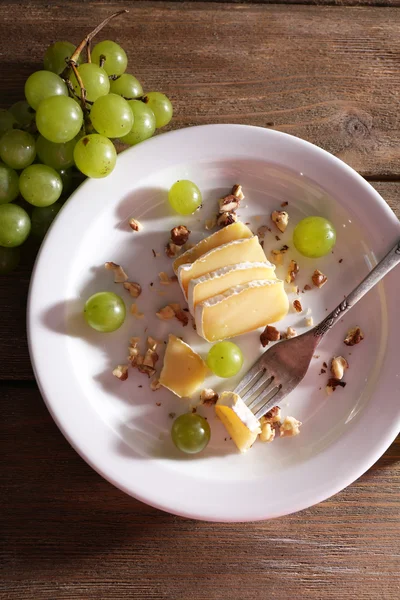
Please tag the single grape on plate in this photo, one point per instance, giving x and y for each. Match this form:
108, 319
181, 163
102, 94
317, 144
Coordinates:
105, 311
314, 237
225, 359
190, 433
184, 197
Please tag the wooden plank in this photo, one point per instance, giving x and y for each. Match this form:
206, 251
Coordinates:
327, 74
68, 534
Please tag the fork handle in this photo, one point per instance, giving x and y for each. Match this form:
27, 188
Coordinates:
391, 259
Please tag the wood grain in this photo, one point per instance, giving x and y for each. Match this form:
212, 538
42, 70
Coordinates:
68, 534
327, 74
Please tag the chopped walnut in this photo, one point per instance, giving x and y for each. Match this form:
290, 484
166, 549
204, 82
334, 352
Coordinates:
332, 384
165, 279
262, 231
180, 314
307, 287
297, 306
291, 333
180, 235
133, 351
152, 343
273, 415
226, 218
133, 288
172, 250
135, 311
284, 249
281, 219
228, 204
119, 274
318, 278
290, 427
237, 191
135, 225
309, 321
354, 336
338, 366
267, 432
155, 385
270, 334
208, 397
121, 372
166, 313
292, 271
210, 223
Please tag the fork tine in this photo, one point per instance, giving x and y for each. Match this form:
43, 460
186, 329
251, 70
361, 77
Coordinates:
268, 401
250, 378
265, 381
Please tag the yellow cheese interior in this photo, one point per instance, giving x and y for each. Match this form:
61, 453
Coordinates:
258, 304
216, 285
240, 434
236, 231
183, 370
243, 250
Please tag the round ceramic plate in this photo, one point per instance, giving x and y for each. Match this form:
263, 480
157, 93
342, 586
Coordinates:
122, 429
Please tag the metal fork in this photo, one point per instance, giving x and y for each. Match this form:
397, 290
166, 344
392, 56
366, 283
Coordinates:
281, 368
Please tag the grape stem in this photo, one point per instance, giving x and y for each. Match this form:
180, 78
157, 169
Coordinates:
88, 52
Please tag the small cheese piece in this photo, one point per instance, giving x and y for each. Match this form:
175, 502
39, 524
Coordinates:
236, 231
241, 309
238, 420
216, 282
246, 250
183, 370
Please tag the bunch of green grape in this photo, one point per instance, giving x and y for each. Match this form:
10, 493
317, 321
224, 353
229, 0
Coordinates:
60, 130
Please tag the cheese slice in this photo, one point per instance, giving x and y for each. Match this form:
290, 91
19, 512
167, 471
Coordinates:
183, 370
241, 309
216, 282
236, 231
238, 420
247, 250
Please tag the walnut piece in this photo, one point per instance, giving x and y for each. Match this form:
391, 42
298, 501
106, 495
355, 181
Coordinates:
262, 231
166, 313
228, 204
135, 225
180, 314
309, 321
208, 397
226, 218
332, 384
121, 372
354, 336
290, 427
273, 415
267, 432
210, 223
292, 271
165, 279
133, 288
291, 333
338, 366
133, 351
180, 235
277, 257
135, 311
281, 219
270, 334
119, 274
297, 306
148, 364
237, 191
155, 385
172, 250
318, 278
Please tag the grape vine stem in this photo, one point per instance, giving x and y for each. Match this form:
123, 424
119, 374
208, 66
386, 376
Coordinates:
91, 35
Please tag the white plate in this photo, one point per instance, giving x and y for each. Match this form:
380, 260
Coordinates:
117, 427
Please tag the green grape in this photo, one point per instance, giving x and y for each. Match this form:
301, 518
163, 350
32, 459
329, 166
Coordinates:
59, 119
111, 116
42, 218
161, 107
22, 113
58, 156
115, 57
95, 155
9, 259
184, 197
56, 56
95, 81
314, 237
7, 121
127, 86
144, 123
40, 185
9, 186
190, 433
17, 148
41, 85
67, 181
105, 311
15, 225
225, 359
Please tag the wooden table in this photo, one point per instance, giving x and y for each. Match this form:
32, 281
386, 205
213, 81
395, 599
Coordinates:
329, 74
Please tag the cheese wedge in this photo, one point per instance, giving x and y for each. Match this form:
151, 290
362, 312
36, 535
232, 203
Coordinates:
216, 282
236, 231
183, 370
241, 309
247, 250
238, 420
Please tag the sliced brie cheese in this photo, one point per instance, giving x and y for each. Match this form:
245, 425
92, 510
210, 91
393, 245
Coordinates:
241, 309
216, 282
183, 370
238, 420
246, 250
236, 231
